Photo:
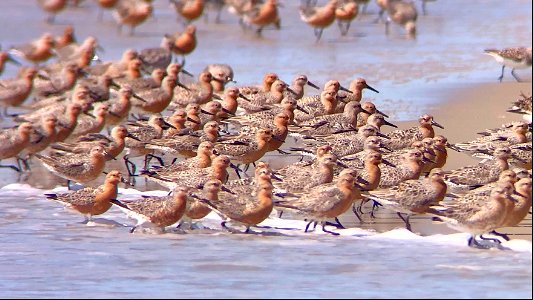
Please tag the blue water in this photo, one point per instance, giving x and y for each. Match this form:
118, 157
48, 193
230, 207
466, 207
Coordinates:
47, 253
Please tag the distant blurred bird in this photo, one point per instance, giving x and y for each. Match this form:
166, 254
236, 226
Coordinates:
105, 4
4, 58
404, 14
83, 54
319, 17
189, 10
66, 38
183, 43
363, 3
241, 7
263, 15
157, 57
132, 13
221, 73
217, 6
345, 14
52, 7
13, 92
36, 51
382, 4
515, 58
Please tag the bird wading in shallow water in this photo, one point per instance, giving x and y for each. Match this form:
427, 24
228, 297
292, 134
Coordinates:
515, 58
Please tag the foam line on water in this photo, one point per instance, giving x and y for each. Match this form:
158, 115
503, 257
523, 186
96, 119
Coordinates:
290, 227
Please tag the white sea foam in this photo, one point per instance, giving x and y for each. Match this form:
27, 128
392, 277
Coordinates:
19, 188
290, 227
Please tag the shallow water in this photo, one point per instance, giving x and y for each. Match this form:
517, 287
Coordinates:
46, 252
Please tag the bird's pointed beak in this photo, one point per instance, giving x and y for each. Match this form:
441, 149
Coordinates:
133, 137
385, 122
115, 85
186, 72
309, 83
291, 91
436, 124
380, 112
88, 114
225, 189
192, 120
361, 180
275, 177
345, 89
371, 88
182, 86
365, 111
228, 112
382, 135
138, 97
169, 125
244, 97
427, 160
298, 107
206, 112
341, 164
388, 163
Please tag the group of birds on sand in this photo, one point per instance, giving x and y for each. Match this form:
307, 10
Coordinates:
256, 14
212, 127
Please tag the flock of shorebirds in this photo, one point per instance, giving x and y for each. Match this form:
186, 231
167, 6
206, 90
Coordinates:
212, 127
253, 14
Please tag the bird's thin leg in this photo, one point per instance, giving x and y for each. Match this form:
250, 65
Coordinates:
405, 220
337, 223
501, 76
319, 34
374, 206
325, 230
347, 27
515, 76
354, 209
489, 239
307, 226
472, 242
424, 11
503, 235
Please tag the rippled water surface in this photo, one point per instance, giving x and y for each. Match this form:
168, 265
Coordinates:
45, 250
